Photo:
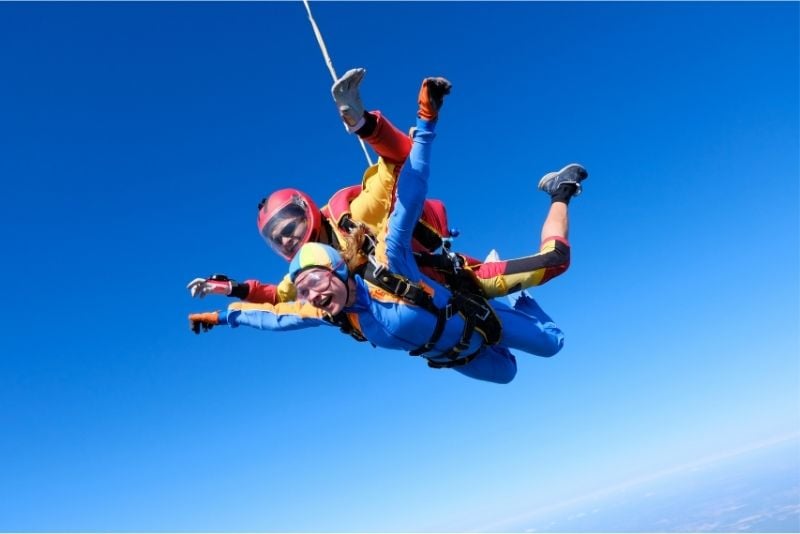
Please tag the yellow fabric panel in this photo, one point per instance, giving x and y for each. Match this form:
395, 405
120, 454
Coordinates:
372, 205
493, 287
282, 308
380, 246
519, 281
286, 290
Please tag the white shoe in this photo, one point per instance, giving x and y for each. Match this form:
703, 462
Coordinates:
348, 100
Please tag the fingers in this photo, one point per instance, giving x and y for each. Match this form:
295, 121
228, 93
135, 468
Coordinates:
203, 321
351, 78
439, 85
197, 288
197, 326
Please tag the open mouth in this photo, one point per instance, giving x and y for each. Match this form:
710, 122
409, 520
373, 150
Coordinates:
325, 302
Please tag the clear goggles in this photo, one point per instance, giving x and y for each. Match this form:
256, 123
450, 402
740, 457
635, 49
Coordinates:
318, 280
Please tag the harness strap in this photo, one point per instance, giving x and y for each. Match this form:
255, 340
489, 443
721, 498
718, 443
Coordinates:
399, 286
455, 363
427, 236
457, 278
340, 320
424, 234
441, 318
478, 314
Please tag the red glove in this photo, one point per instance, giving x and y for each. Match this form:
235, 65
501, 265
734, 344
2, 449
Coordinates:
204, 321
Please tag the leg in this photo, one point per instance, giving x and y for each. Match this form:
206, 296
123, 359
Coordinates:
557, 222
500, 278
494, 364
527, 327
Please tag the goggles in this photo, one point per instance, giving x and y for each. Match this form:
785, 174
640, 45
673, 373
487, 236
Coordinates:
286, 231
284, 237
318, 279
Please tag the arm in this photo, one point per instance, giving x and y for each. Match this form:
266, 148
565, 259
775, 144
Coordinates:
412, 184
249, 290
281, 316
373, 203
259, 293
412, 187
385, 139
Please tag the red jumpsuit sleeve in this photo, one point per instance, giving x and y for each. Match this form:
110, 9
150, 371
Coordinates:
388, 142
261, 293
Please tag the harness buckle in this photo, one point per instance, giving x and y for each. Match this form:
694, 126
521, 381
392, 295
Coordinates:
448, 311
403, 288
377, 268
485, 312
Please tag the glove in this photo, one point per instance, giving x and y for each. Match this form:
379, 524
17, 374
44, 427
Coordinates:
431, 97
216, 284
203, 321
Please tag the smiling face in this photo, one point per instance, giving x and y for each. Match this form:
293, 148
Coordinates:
287, 234
322, 289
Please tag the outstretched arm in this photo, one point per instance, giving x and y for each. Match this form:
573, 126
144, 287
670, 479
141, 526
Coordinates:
412, 184
249, 290
282, 316
384, 138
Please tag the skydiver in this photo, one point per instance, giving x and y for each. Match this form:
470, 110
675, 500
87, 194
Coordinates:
393, 305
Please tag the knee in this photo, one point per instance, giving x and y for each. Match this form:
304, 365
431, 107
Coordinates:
497, 366
500, 376
506, 377
553, 345
505, 373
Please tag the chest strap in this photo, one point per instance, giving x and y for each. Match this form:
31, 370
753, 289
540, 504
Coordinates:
475, 310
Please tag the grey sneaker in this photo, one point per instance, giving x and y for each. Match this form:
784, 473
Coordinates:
571, 174
348, 100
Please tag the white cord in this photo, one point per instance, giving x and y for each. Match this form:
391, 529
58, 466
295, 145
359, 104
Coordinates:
329, 64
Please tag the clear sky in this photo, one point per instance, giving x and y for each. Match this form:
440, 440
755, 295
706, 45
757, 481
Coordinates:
137, 138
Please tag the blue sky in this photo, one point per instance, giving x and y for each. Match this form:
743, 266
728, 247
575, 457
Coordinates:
137, 138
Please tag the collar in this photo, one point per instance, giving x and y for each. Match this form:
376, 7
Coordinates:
362, 296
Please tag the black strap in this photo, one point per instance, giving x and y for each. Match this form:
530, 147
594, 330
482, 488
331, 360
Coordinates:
426, 236
456, 277
399, 286
341, 320
454, 363
441, 320
477, 313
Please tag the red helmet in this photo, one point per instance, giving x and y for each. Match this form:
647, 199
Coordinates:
287, 219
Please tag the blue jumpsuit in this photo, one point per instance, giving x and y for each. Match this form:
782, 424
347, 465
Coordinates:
389, 322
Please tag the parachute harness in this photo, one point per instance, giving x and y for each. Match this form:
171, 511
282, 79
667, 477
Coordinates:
475, 310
